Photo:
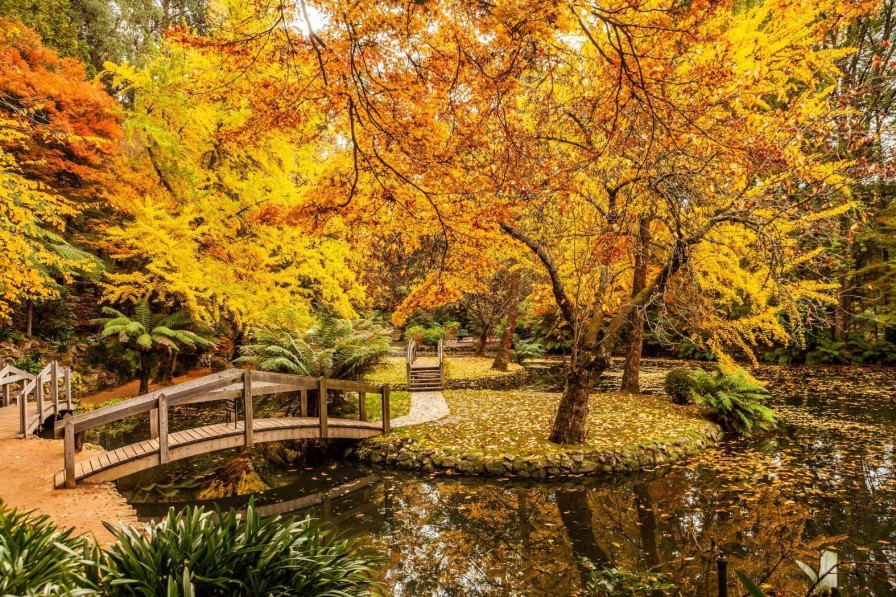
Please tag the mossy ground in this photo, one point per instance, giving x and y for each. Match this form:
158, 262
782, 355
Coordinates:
488, 427
393, 371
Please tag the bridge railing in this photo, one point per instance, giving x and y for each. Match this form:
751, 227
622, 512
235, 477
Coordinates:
410, 357
232, 385
51, 387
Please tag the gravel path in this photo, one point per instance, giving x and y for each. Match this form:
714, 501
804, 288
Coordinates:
425, 407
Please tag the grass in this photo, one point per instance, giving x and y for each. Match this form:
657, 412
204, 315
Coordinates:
399, 405
493, 423
393, 371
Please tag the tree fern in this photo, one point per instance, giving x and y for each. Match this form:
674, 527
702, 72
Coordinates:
339, 348
736, 401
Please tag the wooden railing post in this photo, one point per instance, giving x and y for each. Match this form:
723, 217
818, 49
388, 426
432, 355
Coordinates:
23, 410
154, 423
162, 411
5, 394
247, 405
387, 424
67, 383
39, 394
303, 402
69, 453
54, 386
322, 407
362, 406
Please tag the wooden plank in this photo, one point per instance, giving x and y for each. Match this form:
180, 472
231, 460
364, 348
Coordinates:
130, 452
322, 406
298, 381
54, 386
163, 429
387, 426
69, 453
352, 386
67, 386
154, 423
39, 396
247, 406
303, 403
362, 406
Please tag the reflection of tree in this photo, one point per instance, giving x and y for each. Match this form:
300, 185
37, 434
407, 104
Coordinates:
647, 524
575, 511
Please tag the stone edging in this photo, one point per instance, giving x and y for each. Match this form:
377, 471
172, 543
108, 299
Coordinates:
402, 453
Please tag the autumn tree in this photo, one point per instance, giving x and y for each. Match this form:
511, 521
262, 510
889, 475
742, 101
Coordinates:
58, 137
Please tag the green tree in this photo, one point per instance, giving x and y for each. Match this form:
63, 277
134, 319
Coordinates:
338, 348
152, 335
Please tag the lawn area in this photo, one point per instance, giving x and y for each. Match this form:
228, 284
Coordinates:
507, 432
399, 405
457, 369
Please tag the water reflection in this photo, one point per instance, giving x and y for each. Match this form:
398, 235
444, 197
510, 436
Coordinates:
826, 479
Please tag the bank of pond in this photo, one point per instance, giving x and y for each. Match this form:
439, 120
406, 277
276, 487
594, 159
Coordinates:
824, 479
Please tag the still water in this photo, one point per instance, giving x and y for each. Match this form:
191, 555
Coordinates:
825, 479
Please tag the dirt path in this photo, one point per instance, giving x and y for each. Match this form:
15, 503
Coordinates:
425, 407
26, 481
130, 389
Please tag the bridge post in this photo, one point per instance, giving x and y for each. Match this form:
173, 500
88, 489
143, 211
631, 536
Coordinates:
322, 407
154, 423
68, 443
163, 428
387, 423
303, 402
362, 406
54, 386
247, 408
67, 383
23, 410
5, 394
39, 393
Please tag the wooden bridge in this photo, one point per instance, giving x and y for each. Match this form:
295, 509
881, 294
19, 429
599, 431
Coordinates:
28, 400
425, 374
234, 387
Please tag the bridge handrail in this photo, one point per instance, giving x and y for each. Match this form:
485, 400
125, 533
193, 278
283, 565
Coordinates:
441, 362
51, 374
226, 385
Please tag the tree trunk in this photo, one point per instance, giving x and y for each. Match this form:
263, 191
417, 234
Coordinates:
145, 374
648, 530
841, 311
29, 317
503, 357
482, 341
631, 376
571, 421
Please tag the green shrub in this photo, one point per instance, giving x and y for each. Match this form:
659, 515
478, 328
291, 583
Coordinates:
679, 385
829, 352
451, 329
36, 558
415, 333
735, 401
213, 553
31, 363
431, 336
526, 348
619, 582
879, 352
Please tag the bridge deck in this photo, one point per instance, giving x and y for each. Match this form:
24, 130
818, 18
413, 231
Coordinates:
10, 419
140, 456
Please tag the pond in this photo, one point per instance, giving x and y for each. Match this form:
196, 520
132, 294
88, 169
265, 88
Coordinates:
825, 479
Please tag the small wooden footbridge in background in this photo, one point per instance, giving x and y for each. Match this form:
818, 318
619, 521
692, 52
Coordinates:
425, 374
236, 388
28, 400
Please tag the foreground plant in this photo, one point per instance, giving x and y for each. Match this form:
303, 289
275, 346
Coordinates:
205, 552
36, 558
735, 401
